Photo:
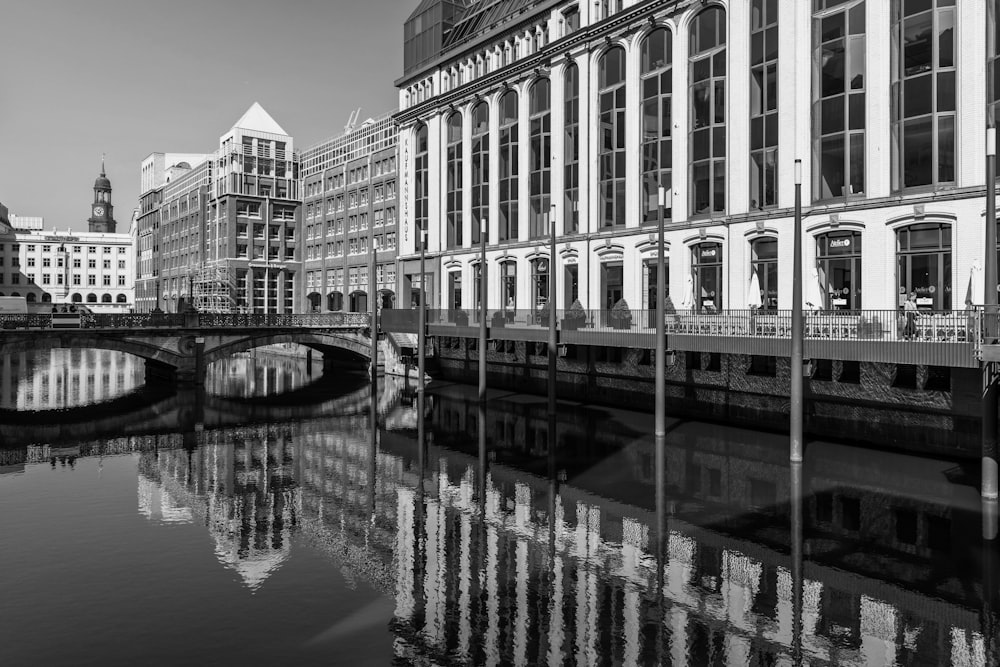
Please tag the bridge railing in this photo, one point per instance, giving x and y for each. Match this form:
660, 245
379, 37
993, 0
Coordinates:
254, 320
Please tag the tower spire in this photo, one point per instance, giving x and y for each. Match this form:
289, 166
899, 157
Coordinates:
102, 164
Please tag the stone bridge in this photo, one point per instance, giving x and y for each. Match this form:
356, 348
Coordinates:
180, 346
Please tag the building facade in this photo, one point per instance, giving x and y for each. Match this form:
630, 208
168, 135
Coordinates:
587, 109
222, 233
62, 267
349, 190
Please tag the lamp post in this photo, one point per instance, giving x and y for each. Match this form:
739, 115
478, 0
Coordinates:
795, 434
373, 312
661, 333
422, 315
989, 402
551, 299
482, 310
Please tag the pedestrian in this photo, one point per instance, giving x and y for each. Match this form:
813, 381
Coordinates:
911, 314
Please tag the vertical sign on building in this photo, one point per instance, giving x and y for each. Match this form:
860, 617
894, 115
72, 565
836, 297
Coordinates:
405, 168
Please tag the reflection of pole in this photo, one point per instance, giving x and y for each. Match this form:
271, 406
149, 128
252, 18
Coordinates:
482, 309
373, 447
796, 417
660, 479
796, 503
661, 333
989, 401
988, 619
422, 319
481, 460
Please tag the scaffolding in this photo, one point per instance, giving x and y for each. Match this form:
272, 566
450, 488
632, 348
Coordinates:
214, 289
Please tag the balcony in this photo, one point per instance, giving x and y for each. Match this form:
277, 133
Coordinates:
937, 338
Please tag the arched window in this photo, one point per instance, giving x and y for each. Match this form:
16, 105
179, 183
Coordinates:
571, 149
453, 192
91, 298
32, 297
121, 298
539, 109
480, 167
838, 255
508, 286
334, 301
923, 255
105, 298
76, 298
924, 92
706, 270
707, 64
508, 166
611, 146
763, 104
46, 297
656, 136
764, 264
839, 99
421, 176
539, 283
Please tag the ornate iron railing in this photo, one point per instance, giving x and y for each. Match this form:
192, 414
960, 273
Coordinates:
190, 320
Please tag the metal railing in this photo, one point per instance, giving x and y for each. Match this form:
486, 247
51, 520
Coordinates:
927, 326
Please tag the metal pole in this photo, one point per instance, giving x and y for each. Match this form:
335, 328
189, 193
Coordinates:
795, 453
989, 401
551, 298
422, 316
661, 332
372, 285
482, 309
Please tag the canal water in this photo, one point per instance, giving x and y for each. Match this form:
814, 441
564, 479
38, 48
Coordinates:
265, 521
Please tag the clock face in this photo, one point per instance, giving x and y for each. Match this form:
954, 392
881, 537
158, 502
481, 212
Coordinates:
98, 211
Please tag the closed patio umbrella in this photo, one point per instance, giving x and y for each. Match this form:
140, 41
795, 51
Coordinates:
688, 302
813, 293
974, 292
753, 291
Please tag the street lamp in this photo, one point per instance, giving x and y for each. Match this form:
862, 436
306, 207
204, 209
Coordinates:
422, 315
373, 292
482, 309
661, 333
795, 434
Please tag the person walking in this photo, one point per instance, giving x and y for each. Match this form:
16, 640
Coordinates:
911, 314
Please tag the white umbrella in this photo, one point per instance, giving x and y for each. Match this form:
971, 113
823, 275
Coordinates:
974, 293
688, 302
753, 291
813, 293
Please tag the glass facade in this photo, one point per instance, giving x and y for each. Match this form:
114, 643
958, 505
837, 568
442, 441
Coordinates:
540, 119
706, 272
420, 186
707, 76
571, 149
923, 93
480, 167
839, 99
508, 167
763, 104
923, 255
611, 140
453, 186
656, 80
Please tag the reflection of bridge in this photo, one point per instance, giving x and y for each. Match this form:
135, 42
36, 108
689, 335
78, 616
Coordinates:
181, 346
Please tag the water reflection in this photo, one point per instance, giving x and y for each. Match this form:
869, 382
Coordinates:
64, 378
502, 540
263, 372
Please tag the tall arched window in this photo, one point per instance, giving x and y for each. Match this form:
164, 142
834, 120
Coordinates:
706, 272
656, 136
421, 176
923, 93
453, 193
707, 63
611, 148
838, 260
508, 166
764, 263
763, 104
571, 149
480, 167
839, 98
539, 109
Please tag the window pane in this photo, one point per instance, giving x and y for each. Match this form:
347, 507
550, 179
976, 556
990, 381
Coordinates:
946, 149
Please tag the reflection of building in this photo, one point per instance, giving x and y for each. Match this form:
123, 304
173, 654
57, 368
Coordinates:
223, 233
93, 268
63, 378
349, 207
257, 374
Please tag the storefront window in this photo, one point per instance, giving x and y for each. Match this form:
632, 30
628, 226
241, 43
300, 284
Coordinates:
706, 270
923, 254
839, 267
508, 285
764, 263
539, 283
454, 292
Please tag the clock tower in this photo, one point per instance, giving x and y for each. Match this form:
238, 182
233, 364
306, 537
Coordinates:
102, 217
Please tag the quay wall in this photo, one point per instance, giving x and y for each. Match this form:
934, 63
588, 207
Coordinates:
919, 409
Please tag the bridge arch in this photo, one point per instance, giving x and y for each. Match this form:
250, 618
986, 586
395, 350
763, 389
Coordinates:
354, 346
82, 339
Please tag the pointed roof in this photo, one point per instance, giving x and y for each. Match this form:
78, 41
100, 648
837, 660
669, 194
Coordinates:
258, 120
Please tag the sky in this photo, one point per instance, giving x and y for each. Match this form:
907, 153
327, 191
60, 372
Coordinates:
79, 78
